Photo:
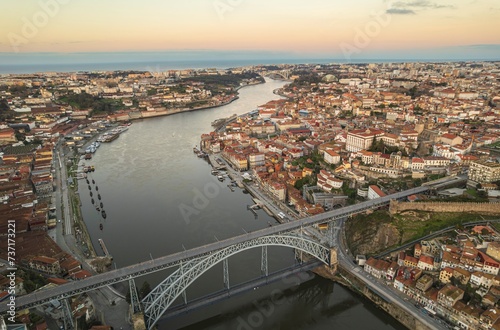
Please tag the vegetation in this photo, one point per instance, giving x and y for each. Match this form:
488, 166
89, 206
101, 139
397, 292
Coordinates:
305, 79
32, 280
380, 146
363, 229
5, 112
351, 193
197, 104
308, 180
413, 225
232, 80
87, 101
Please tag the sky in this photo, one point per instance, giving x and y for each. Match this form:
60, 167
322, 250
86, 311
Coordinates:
441, 29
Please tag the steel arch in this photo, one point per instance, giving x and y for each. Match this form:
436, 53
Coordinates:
160, 299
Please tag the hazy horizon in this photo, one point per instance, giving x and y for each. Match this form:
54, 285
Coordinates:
318, 29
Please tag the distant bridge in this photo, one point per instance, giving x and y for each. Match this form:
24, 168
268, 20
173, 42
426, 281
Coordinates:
278, 74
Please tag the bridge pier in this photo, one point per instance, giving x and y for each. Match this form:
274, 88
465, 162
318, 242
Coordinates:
225, 268
333, 257
184, 297
263, 265
68, 315
134, 297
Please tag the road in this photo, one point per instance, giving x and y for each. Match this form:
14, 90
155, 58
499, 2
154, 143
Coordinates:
150, 266
383, 290
109, 306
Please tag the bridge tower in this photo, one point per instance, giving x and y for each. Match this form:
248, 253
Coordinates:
68, 315
134, 297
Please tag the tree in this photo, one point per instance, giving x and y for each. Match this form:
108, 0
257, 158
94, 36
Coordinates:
4, 105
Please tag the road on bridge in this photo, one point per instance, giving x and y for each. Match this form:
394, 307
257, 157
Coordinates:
175, 259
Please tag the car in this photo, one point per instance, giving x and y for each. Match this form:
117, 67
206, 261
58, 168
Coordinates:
59, 220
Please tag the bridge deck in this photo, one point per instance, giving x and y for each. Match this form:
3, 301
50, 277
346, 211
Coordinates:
150, 266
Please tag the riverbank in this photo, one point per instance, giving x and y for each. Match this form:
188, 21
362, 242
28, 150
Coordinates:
137, 115
353, 284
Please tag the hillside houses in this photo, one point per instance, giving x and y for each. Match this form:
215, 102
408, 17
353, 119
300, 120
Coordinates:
437, 276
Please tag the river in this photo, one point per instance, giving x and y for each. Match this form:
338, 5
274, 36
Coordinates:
160, 199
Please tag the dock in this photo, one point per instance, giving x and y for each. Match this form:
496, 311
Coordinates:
104, 248
252, 209
216, 163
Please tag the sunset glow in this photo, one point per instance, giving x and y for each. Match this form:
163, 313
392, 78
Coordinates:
316, 28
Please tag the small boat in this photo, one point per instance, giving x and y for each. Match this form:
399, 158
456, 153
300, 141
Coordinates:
97, 209
92, 200
96, 188
87, 181
220, 178
93, 182
99, 196
103, 213
101, 205
100, 226
90, 194
90, 188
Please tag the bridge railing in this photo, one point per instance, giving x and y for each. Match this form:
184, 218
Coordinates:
155, 265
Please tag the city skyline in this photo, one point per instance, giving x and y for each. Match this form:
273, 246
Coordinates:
319, 29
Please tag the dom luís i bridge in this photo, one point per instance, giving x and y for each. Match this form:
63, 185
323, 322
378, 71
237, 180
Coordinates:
193, 263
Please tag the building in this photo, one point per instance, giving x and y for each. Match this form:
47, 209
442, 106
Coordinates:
493, 250
484, 171
451, 139
375, 192
377, 267
278, 190
45, 264
256, 159
461, 275
449, 295
489, 317
327, 181
361, 139
490, 265
445, 275
331, 157
424, 283
426, 263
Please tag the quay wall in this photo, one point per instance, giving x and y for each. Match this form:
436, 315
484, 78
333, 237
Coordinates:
483, 208
345, 279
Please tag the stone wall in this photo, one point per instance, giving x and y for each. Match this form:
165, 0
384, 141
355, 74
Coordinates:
483, 208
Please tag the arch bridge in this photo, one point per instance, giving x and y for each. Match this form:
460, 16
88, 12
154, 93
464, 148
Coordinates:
162, 297
197, 259
278, 74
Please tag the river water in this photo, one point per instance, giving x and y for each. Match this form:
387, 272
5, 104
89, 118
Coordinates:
160, 199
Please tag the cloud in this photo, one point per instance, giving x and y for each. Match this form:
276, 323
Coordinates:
400, 11
418, 4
